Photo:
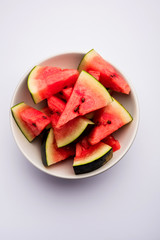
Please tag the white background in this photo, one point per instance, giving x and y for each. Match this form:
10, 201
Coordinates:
122, 203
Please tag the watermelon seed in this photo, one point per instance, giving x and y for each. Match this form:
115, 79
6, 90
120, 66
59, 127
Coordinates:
83, 99
58, 113
51, 112
65, 87
112, 75
109, 122
34, 124
76, 108
44, 117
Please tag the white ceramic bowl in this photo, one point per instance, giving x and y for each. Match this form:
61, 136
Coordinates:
32, 151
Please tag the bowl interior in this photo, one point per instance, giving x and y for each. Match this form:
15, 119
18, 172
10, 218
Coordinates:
32, 151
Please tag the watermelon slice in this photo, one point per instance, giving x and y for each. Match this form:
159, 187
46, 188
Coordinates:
43, 82
66, 92
89, 158
109, 76
56, 104
50, 153
107, 120
88, 95
30, 121
111, 141
71, 131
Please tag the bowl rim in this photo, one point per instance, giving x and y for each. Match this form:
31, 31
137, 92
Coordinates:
93, 173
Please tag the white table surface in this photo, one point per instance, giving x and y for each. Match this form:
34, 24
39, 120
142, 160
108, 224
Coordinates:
124, 202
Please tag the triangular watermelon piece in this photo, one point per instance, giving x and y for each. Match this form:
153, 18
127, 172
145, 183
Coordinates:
51, 154
90, 157
109, 76
108, 120
30, 120
43, 82
88, 95
56, 104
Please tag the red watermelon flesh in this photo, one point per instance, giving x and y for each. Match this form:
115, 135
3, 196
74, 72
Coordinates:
111, 141
35, 120
109, 76
88, 95
56, 104
59, 80
107, 120
47, 111
95, 74
66, 92
43, 82
83, 147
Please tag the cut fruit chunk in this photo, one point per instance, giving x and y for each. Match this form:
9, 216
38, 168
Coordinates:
88, 95
66, 92
107, 120
43, 82
89, 158
71, 131
30, 121
50, 153
111, 141
56, 104
109, 76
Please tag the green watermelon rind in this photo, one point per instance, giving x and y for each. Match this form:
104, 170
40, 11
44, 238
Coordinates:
48, 151
97, 160
78, 131
35, 99
20, 124
81, 62
125, 110
45, 149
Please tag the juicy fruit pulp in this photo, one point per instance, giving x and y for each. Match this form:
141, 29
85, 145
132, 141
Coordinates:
107, 120
43, 82
111, 141
30, 121
88, 95
109, 76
